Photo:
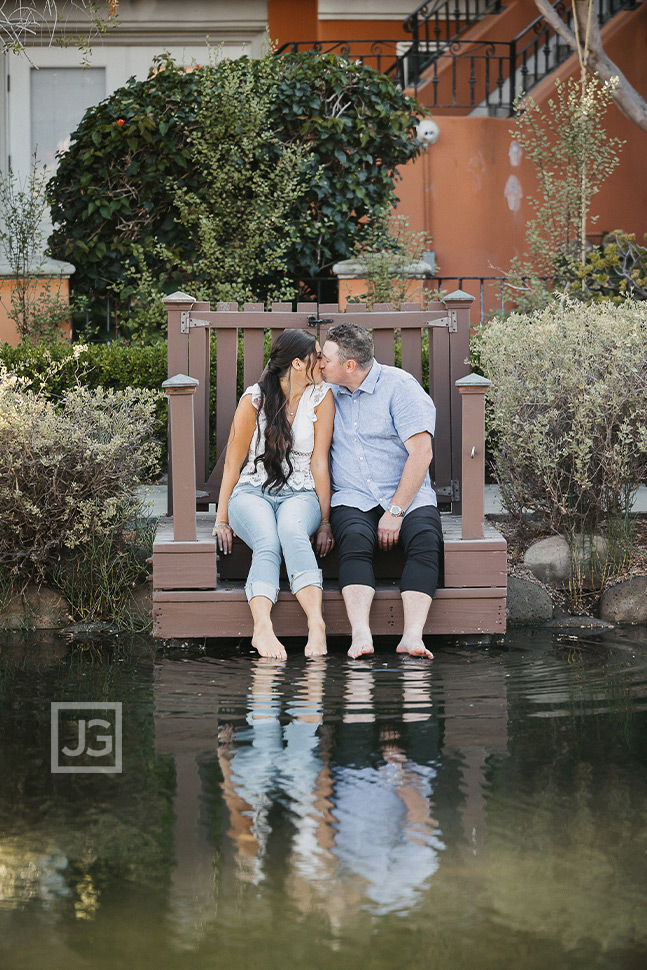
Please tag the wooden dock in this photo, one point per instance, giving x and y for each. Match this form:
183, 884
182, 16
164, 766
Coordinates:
197, 593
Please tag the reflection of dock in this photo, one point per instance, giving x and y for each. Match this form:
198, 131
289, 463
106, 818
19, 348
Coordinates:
476, 727
186, 729
283, 773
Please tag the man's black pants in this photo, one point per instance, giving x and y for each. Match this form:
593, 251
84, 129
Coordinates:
421, 538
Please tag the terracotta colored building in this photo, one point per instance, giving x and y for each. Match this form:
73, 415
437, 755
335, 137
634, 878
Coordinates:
468, 190
466, 60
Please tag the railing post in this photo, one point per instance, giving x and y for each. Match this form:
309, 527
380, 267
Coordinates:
177, 360
473, 389
459, 304
180, 390
512, 74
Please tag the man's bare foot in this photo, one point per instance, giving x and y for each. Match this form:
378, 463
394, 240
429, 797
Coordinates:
316, 645
268, 645
414, 647
361, 646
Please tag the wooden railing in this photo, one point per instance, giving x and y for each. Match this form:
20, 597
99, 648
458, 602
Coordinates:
430, 342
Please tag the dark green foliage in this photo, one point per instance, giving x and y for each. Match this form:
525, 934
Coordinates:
114, 197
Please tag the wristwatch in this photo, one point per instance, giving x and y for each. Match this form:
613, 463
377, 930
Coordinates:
396, 511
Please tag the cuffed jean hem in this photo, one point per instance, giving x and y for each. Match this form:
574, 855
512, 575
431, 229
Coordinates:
308, 577
258, 588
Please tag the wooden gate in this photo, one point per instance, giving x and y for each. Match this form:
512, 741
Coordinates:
430, 342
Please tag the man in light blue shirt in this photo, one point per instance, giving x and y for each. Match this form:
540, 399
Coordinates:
381, 493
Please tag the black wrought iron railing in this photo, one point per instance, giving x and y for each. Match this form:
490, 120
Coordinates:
462, 74
493, 75
382, 55
435, 26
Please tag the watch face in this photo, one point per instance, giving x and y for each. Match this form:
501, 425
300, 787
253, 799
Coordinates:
395, 510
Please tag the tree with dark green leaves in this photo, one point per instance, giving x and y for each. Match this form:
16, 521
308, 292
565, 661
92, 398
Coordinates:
168, 172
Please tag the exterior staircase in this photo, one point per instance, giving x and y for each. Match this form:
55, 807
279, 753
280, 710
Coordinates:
454, 60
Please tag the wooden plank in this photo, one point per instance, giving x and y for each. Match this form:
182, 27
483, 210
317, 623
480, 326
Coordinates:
412, 352
253, 355
459, 356
226, 361
474, 569
462, 568
227, 611
380, 318
233, 592
199, 368
384, 341
185, 570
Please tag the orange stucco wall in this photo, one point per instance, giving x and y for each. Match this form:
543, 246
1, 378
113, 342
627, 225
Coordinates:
295, 20
292, 20
467, 191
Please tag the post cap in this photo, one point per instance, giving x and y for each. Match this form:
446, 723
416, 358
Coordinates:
473, 381
180, 381
178, 297
458, 296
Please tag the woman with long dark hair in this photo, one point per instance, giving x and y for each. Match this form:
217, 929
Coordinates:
275, 491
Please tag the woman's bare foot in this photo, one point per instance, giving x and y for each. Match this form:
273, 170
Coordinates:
361, 645
316, 645
266, 642
414, 647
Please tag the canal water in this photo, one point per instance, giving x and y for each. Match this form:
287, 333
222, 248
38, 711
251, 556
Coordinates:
485, 811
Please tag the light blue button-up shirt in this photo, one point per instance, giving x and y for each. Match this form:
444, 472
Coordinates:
367, 455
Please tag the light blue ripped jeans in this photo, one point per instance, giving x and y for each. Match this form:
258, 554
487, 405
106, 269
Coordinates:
271, 522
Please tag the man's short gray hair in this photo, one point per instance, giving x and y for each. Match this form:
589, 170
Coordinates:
354, 343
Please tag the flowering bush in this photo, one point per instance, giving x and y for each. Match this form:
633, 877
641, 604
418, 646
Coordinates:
68, 470
569, 410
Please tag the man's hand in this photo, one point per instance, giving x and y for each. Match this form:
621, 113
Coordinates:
388, 530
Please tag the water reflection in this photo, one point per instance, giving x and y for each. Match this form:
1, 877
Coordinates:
338, 763
486, 810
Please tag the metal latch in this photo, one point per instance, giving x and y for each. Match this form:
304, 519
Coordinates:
315, 320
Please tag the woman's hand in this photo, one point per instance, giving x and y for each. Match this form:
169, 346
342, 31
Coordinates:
224, 536
323, 539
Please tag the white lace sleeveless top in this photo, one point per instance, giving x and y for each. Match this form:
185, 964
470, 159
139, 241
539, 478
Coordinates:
303, 439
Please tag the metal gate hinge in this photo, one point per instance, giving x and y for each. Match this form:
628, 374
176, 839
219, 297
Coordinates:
450, 321
187, 322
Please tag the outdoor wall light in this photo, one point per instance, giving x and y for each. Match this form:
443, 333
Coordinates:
427, 131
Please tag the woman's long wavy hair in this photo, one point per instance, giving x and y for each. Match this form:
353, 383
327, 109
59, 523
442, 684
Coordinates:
278, 432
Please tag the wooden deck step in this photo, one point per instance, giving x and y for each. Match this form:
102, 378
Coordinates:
197, 593
224, 612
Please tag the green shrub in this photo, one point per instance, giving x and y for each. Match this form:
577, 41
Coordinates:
117, 195
52, 370
68, 470
569, 411
100, 576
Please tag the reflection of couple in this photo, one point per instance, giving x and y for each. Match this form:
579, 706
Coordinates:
303, 765
367, 428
